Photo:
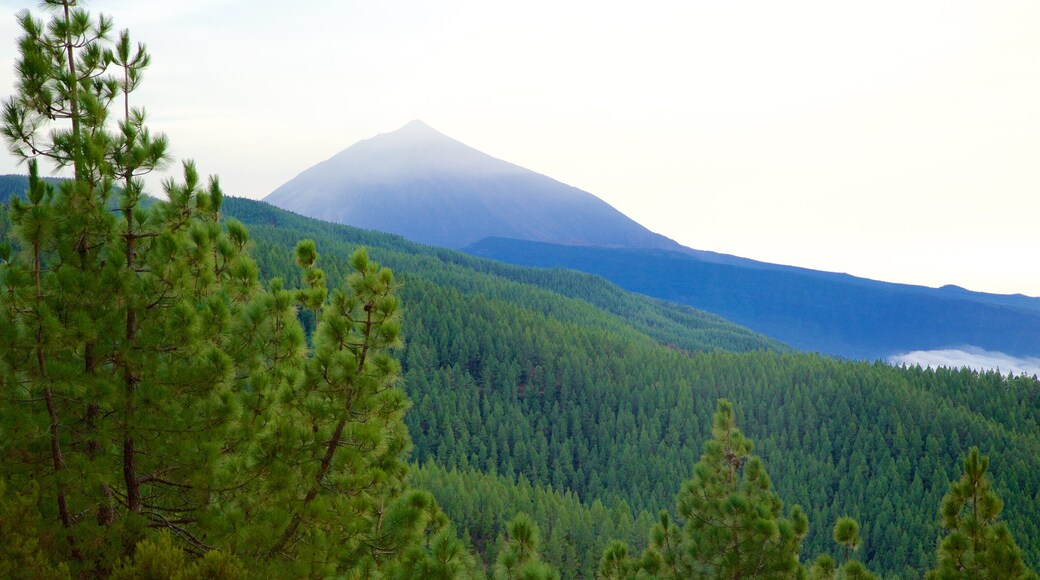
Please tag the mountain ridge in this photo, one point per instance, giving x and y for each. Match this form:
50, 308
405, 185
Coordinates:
835, 314
421, 184
430, 179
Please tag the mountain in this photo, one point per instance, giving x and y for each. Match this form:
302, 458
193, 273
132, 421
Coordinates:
831, 313
16, 186
432, 189
558, 394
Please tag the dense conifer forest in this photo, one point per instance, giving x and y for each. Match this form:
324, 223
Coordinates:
508, 381
209, 387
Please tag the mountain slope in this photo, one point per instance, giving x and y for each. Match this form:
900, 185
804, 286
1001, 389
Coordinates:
817, 311
517, 372
522, 377
565, 295
432, 189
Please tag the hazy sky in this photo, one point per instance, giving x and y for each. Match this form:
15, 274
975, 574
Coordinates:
898, 140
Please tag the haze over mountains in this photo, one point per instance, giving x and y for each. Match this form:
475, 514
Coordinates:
427, 187
817, 311
432, 189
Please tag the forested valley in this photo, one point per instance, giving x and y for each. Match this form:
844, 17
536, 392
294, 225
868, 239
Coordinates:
210, 387
512, 377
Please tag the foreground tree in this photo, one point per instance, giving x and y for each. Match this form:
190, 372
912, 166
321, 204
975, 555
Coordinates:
846, 535
977, 544
115, 324
519, 558
735, 527
166, 405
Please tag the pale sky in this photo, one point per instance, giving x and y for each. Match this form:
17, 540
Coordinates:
896, 140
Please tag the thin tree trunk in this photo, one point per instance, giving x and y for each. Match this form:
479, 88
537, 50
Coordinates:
57, 458
330, 449
130, 380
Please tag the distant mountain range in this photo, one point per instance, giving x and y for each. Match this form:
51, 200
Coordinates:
429, 188
432, 189
817, 311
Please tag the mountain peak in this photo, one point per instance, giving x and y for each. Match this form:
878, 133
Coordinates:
428, 187
416, 128
416, 125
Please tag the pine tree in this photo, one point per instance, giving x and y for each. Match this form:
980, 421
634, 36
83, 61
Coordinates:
123, 314
734, 522
823, 568
665, 550
519, 558
615, 564
150, 384
846, 534
734, 526
977, 544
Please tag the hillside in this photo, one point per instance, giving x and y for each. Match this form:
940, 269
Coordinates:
520, 380
205, 387
427, 187
430, 188
558, 394
815, 311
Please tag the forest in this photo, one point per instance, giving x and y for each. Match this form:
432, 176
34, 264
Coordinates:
201, 386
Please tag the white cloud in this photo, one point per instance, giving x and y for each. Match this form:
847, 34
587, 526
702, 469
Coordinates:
970, 357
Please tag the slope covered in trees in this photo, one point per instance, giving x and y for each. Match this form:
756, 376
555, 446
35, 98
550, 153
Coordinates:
166, 413
531, 375
835, 314
537, 381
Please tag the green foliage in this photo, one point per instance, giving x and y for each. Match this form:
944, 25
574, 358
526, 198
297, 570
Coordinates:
160, 559
976, 544
532, 379
846, 535
26, 546
150, 383
483, 504
114, 321
823, 568
734, 522
854, 570
314, 295
519, 558
615, 563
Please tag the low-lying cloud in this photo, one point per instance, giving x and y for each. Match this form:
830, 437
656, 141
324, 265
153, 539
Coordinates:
971, 357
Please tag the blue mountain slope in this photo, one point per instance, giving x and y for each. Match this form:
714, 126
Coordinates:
427, 187
432, 189
831, 313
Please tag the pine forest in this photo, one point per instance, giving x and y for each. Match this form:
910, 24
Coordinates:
201, 386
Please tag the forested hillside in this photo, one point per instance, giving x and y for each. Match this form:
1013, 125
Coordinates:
525, 382
183, 397
834, 314
552, 378
528, 398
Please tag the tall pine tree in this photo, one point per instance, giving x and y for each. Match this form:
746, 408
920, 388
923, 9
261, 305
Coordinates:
165, 404
734, 523
977, 545
735, 527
